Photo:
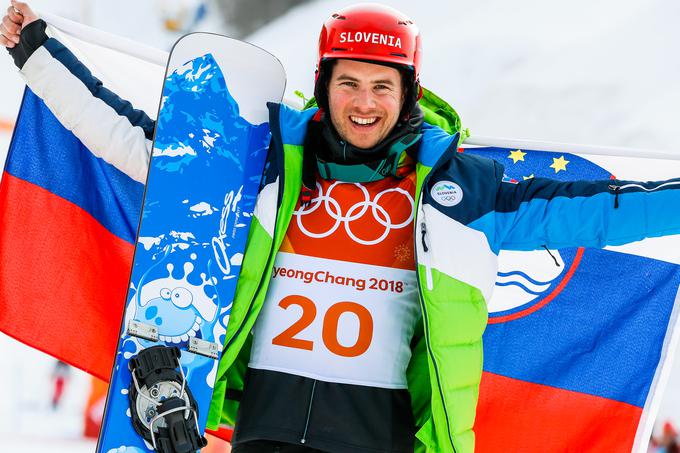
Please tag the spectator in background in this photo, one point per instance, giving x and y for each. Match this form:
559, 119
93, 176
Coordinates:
60, 375
668, 442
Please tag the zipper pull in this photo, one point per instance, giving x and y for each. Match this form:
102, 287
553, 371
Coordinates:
557, 263
423, 230
426, 258
616, 190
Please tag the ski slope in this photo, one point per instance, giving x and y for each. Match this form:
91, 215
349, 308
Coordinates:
598, 72
601, 72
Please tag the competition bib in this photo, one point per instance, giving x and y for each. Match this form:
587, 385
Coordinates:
337, 321
343, 304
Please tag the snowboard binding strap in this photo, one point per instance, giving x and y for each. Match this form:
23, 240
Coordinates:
163, 410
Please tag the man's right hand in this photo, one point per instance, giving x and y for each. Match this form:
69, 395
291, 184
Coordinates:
18, 16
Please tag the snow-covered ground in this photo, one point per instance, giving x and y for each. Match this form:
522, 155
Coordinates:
27, 421
585, 71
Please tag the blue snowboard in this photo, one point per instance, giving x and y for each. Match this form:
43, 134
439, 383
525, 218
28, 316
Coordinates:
209, 149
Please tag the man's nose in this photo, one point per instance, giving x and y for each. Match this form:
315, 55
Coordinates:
364, 99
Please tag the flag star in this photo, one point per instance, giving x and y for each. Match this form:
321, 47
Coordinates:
559, 164
531, 176
516, 156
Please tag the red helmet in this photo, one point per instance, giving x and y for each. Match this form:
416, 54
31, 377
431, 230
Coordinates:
373, 32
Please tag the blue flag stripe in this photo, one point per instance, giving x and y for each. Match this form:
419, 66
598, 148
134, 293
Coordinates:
44, 153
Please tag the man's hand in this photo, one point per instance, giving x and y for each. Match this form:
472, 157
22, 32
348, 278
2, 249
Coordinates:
18, 16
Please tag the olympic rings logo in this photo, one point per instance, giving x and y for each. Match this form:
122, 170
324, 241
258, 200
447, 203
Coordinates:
356, 211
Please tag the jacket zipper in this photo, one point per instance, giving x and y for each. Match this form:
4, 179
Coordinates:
428, 272
640, 186
617, 189
309, 413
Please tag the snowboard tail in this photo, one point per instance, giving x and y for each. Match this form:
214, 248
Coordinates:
209, 150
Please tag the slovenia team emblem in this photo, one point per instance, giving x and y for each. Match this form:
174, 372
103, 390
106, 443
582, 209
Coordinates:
447, 193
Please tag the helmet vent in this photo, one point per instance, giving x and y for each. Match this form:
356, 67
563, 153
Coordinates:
339, 16
339, 49
405, 22
402, 55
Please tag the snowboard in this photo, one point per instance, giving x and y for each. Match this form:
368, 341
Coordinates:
209, 149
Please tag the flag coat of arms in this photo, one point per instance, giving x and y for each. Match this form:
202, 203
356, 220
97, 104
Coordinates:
578, 343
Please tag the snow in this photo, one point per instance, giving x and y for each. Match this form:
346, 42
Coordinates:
598, 72
586, 71
27, 422
30, 445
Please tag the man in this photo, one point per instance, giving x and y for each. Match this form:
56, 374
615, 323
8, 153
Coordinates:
359, 313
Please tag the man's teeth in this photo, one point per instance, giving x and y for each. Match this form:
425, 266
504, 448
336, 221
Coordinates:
363, 121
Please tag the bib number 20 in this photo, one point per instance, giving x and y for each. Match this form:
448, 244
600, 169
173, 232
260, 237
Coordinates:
329, 332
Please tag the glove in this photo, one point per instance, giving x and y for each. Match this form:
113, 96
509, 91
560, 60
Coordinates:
32, 37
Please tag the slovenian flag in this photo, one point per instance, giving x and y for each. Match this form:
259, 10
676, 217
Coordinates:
578, 340
575, 353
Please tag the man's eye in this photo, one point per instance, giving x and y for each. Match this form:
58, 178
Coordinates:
382, 87
349, 84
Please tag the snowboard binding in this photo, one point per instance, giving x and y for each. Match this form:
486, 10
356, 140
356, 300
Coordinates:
163, 410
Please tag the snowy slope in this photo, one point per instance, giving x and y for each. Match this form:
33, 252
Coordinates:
598, 72
26, 401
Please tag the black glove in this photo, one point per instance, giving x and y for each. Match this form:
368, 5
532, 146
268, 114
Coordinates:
31, 37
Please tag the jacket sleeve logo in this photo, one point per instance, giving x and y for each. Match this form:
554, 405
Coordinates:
447, 193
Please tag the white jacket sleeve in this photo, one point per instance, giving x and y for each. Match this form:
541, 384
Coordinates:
107, 125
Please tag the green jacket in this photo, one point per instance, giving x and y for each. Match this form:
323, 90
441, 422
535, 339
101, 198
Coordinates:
273, 213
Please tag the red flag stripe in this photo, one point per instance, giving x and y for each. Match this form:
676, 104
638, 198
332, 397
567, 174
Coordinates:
46, 244
520, 416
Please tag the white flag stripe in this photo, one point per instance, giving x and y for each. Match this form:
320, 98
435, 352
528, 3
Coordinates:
107, 40
132, 78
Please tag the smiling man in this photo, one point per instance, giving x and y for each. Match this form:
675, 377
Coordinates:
365, 101
358, 318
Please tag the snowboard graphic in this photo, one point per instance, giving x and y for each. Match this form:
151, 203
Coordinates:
209, 149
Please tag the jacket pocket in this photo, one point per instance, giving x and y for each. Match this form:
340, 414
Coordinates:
425, 438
